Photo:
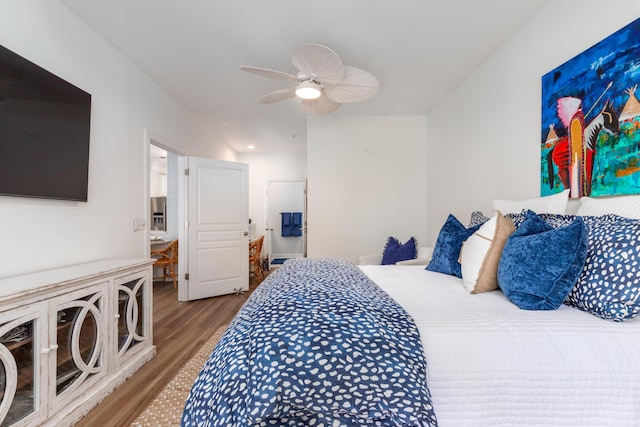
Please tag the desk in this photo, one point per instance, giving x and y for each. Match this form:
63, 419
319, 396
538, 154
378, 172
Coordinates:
158, 244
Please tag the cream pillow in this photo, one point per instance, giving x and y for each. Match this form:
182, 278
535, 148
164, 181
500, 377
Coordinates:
554, 204
423, 257
626, 206
480, 254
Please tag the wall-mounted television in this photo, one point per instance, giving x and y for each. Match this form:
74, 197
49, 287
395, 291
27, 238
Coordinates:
44, 132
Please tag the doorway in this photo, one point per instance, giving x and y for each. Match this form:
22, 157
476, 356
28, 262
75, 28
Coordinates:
286, 220
211, 201
163, 192
163, 205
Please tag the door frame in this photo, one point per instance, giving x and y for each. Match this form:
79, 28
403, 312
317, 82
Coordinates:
152, 138
269, 226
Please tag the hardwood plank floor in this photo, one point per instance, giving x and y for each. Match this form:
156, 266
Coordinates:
179, 330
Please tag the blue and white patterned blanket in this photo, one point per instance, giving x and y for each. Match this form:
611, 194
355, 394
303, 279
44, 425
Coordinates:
317, 344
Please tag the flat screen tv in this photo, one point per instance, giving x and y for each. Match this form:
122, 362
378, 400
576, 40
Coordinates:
44, 132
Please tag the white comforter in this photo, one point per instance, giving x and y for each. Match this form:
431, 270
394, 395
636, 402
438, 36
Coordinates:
491, 364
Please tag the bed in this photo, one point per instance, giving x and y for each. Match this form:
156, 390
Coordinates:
490, 363
468, 359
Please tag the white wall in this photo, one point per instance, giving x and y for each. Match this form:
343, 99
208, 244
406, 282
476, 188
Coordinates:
263, 166
484, 137
367, 181
483, 143
41, 234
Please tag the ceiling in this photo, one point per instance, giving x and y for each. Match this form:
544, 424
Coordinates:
418, 49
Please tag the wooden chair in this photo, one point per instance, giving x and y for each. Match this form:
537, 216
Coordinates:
255, 265
167, 258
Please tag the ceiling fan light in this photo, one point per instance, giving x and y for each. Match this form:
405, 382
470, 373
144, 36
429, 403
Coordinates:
308, 90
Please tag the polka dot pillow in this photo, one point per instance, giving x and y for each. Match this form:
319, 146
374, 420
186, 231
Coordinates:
477, 218
609, 284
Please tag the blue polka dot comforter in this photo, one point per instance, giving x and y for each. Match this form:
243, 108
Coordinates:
317, 344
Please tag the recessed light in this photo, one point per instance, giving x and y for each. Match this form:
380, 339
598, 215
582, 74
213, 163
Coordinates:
251, 147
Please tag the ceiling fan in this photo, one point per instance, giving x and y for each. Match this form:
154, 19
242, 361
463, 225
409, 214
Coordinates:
322, 82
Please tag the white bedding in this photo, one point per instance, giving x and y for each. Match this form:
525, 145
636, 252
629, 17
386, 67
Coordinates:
491, 364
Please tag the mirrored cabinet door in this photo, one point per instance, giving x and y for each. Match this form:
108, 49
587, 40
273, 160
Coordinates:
80, 341
133, 313
20, 371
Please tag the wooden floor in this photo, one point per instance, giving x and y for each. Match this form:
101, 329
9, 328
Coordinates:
179, 330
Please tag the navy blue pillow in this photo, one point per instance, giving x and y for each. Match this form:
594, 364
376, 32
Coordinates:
540, 264
447, 249
394, 251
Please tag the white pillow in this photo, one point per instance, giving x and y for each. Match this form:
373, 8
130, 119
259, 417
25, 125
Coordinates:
626, 206
480, 254
415, 261
554, 204
424, 252
423, 257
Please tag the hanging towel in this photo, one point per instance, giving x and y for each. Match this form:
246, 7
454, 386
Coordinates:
296, 224
286, 224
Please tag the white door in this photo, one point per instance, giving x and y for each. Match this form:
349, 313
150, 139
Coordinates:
217, 227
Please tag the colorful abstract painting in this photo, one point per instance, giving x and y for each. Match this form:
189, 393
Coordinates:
591, 120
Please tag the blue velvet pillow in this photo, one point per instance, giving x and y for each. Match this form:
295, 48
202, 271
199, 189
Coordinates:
446, 252
609, 285
394, 251
540, 264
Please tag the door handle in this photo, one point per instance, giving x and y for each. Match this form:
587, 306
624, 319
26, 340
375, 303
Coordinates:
246, 233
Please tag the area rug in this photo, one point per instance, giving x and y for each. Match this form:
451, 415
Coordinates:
166, 409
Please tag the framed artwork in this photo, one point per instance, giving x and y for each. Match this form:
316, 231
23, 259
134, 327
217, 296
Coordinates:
590, 138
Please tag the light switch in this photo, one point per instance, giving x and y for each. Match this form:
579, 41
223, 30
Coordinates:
139, 224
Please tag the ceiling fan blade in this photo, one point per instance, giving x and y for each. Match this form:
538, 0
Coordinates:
322, 105
272, 74
356, 85
278, 95
319, 62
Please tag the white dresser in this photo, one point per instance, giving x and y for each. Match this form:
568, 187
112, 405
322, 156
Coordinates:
69, 336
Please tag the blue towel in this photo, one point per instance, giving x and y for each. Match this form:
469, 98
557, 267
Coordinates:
296, 227
286, 224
